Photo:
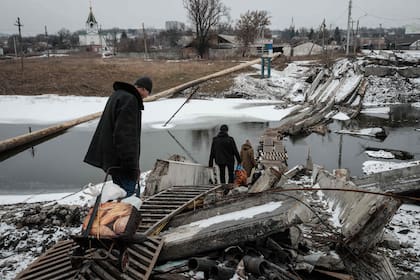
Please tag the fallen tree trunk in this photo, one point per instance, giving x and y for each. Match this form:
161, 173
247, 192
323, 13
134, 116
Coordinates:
172, 91
25, 139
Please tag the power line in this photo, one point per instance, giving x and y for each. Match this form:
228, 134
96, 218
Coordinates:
385, 18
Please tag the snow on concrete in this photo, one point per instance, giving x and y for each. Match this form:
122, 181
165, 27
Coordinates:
380, 154
185, 232
372, 166
341, 116
373, 131
347, 87
375, 110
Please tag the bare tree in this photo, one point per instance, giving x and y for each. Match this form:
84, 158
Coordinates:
205, 15
251, 26
64, 38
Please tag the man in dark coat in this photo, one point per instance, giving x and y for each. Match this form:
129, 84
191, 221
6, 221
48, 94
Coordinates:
223, 152
115, 145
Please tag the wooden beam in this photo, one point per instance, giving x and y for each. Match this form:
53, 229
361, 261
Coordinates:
15, 142
172, 91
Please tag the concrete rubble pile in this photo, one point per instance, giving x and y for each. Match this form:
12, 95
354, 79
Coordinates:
305, 232
316, 225
287, 223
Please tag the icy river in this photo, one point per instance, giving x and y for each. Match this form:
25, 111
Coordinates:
57, 165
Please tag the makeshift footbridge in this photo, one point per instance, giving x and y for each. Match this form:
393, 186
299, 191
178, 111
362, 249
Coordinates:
156, 211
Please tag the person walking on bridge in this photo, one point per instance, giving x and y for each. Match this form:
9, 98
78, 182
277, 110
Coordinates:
115, 145
224, 151
247, 156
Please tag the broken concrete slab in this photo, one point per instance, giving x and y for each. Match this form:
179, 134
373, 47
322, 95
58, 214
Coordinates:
403, 181
274, 213
362, 216
168, 173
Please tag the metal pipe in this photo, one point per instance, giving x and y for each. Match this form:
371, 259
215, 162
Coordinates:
221, 273
255, 265
201, 264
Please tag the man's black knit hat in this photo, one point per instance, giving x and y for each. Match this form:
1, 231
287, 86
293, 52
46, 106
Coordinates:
144, 82
224, 128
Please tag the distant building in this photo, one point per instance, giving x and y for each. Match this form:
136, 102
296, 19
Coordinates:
307, 48
377, 43
92, 40
412, 29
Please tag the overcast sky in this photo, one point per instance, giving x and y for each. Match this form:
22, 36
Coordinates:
72, 14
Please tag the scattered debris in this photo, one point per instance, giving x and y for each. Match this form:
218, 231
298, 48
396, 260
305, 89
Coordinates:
388, 153
377, 132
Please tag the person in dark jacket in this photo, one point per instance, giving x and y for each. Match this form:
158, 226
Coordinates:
223, 152
115, 145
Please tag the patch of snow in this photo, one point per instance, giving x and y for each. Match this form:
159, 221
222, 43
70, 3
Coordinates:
347, 87
185, 232
52, 109
416, 104
405, 226
388, 90
380, 154
80, 198
356, 101
341, 116
362, 132
371, 166
238, 215
375, 110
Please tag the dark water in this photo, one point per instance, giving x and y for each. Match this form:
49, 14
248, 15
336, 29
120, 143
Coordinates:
347, 151
57, 165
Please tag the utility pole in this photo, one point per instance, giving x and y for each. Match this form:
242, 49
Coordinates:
323, 34
14, 44
356, 38
100, 38
348, 29
19, 25
46, 38
145, 42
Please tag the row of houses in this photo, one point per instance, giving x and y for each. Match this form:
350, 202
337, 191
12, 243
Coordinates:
225, 45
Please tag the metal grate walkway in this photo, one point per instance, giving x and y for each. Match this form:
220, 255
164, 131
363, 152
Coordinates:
156, 211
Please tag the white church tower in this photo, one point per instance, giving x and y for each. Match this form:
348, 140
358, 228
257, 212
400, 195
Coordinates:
92, 40
91, 24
